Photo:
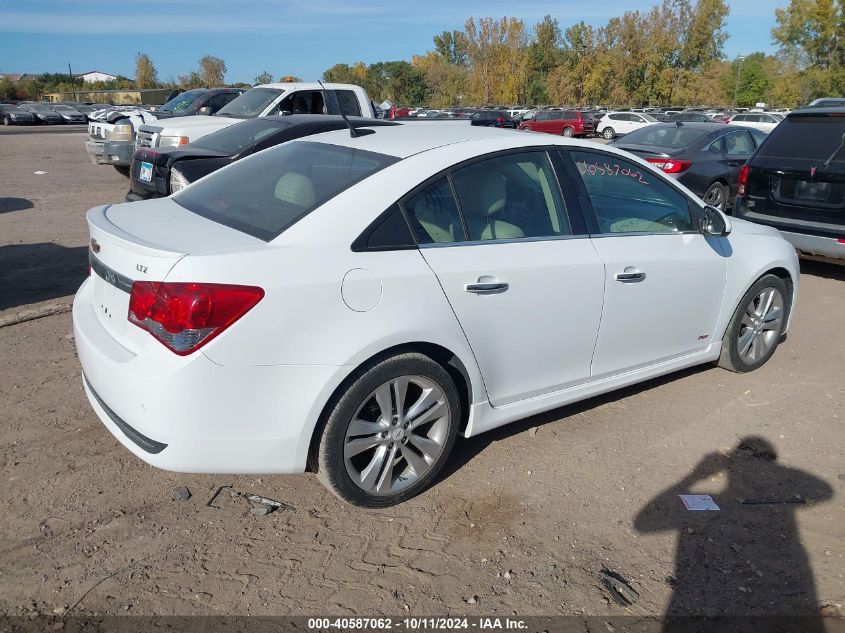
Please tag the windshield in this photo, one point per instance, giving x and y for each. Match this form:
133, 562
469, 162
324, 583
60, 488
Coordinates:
41, 108
64, 108
807, 137
648, 117
673, 137
272, 190
250, 104
11, 108
182, 102
235, 138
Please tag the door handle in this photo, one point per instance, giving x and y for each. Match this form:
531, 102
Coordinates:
489, 288
630, 275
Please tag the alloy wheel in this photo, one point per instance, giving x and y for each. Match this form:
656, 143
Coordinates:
761, 325
396, 435
715, 197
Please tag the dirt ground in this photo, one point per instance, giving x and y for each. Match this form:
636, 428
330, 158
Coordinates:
523, 521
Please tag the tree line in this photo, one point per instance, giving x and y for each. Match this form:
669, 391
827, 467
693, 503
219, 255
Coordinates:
670, 54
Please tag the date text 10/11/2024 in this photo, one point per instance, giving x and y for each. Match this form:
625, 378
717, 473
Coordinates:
415, 624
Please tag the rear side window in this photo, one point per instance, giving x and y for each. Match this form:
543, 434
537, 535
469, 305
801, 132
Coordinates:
628, 199
808, 137
434, 215
269, 192
348, 102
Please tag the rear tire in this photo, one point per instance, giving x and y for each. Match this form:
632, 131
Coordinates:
374, 453
717, 196
608, 133
568, 132
757, 326
123, 170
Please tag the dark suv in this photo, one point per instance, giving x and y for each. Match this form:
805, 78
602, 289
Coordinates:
795, 181
198, 101
492, 118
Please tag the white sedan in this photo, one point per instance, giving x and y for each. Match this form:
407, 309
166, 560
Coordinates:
351, 305
615, 124
763, 121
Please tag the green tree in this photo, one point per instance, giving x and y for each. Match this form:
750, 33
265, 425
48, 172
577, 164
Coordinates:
212, 70
145, 72
452, 46
263, 78
749, 79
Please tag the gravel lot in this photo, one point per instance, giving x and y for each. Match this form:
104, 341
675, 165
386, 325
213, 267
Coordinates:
523, 521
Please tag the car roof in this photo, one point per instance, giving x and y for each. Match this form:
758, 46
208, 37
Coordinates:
817, 111
407, 139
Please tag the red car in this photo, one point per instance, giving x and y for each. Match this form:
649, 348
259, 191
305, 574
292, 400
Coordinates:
565, 122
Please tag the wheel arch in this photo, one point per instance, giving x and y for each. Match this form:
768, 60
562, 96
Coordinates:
778, 271
447, 359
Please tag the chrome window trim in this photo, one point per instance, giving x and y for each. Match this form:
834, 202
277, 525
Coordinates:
511, 240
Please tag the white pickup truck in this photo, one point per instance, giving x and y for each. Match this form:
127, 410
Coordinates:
263, 100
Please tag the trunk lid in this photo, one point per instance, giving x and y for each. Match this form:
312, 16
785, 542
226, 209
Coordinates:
143, 241
650, 151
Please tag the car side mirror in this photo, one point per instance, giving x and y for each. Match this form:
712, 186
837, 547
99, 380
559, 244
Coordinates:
715, 223
204, 110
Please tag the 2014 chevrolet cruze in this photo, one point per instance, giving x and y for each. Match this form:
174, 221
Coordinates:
353, 303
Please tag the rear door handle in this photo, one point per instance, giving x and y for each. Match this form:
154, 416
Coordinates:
630, 275
486, 288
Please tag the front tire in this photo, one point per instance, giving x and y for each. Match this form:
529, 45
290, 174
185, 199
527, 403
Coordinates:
390, 432
608, 133
7, 120
757, 326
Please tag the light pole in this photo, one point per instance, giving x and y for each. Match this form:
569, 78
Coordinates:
739, 60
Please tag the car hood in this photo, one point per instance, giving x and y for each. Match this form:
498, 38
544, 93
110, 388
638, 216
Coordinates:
164, 156
196, 122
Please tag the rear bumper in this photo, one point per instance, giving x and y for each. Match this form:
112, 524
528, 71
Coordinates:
110, 152
189, 414
815, 245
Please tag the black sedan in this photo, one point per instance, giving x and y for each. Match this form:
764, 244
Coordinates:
12, 114
42, 112
704, 157
492, 118
158, 172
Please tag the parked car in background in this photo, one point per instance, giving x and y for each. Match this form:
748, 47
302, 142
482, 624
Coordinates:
705, 158
199, 101
12, 114
563, 122
689, 117
762, 121
69, 113
156, 173
492, 118
354, 303
615, 124
263, 100
827, 102
112, 134
43, 112
795, 182
88, 108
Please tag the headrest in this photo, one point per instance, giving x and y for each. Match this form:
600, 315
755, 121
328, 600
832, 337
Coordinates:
296, 189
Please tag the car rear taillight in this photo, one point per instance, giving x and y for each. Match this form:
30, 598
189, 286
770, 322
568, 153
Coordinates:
500, 119
670, 165
186, 316
743, 180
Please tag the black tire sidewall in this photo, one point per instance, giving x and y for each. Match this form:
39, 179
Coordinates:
331, 467
724, 194
732, 333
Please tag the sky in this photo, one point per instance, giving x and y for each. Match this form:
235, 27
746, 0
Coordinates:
286, 37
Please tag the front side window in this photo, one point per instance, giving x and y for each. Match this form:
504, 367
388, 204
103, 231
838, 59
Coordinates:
434, 215
627, 198
304, 102
511, 197
272, 190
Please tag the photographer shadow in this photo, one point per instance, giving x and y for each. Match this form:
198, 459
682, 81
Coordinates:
743, 565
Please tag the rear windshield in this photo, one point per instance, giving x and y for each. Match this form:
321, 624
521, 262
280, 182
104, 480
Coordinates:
271, 191
250, 104
236, 138
808, 137
659, 136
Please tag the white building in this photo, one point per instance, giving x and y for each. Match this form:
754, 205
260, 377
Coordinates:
96, 75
